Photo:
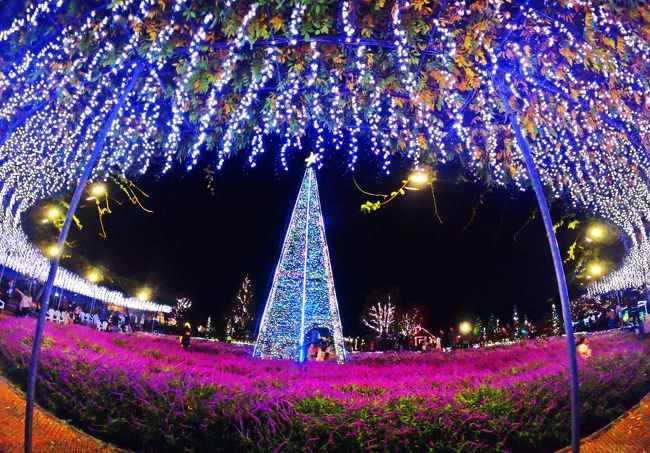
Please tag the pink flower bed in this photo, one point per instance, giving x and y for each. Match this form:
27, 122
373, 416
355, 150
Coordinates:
145, 392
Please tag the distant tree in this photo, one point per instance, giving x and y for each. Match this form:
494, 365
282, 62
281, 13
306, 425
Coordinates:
529, 329
408, 322
516, 323
380, 317
241, 311
211, 329
180, 309
556, 326
479, 329
492, 326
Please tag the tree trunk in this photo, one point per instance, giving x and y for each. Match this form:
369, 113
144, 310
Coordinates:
505, 94
54, 263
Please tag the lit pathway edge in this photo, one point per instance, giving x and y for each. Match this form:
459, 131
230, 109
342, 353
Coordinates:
628, 433
50, 433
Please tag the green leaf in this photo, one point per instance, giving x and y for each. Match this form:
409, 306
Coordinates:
573, 225
369, 206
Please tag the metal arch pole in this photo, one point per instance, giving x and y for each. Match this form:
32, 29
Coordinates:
505, 94
54, 262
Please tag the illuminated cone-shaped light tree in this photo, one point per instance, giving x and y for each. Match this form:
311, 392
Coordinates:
516, 323
479, 329
241, 314
555, 320
302, 296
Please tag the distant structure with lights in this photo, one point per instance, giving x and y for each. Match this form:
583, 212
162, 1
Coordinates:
302, 298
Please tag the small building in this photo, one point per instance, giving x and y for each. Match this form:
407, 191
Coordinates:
422, 336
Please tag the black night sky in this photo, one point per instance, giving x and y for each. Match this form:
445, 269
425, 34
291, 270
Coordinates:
201, 246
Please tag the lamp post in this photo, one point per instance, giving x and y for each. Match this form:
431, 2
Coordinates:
97, 190
144, 295
93, 277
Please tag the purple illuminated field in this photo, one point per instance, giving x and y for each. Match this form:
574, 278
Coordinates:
146, 393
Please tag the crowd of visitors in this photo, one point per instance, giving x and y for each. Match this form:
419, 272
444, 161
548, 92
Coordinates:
318, 345
627, 310
103, 319
22, 298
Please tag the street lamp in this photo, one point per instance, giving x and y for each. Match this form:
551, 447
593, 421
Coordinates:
465, 327
93, 276
53, 251
419, 177
596, 270
53, 213
144, 294
98, 190
595, 233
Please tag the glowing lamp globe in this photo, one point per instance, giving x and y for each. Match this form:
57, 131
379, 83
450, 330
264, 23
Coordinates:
596, 270
53, 213
419, 177
53, 251
596, 232
144, 294
98, 190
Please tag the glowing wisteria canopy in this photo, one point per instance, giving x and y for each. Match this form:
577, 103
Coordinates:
420, 77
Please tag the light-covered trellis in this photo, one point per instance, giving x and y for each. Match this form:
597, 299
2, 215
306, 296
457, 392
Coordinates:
554, 95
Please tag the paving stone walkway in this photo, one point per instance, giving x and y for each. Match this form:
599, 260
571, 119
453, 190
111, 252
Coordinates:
630, 433
51, 435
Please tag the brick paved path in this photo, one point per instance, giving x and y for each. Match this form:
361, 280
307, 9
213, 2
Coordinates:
50, 433
628, 434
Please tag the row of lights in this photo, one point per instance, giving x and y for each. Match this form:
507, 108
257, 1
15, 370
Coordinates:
421, 176
596, 233
53, 213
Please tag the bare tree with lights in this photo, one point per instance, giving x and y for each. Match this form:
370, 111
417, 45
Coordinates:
409, 322
183, 304
380, 317
587, 306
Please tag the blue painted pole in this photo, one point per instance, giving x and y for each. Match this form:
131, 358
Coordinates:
54, 262
505, 94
